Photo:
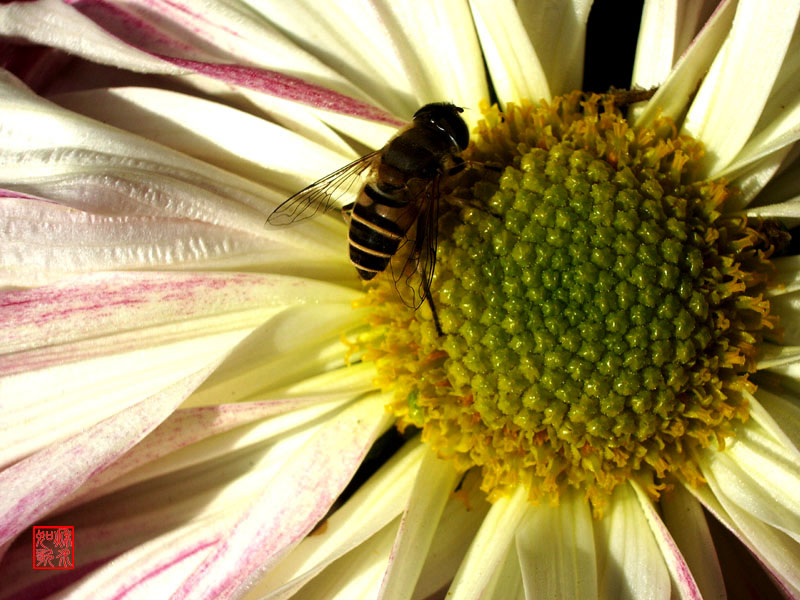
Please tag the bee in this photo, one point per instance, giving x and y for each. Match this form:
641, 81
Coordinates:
393, 222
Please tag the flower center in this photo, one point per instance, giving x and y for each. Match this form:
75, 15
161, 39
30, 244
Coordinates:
600, 315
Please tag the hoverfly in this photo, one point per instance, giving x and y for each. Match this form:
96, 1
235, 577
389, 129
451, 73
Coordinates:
394, 221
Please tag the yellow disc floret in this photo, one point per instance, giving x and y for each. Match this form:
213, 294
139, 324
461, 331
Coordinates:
600, 312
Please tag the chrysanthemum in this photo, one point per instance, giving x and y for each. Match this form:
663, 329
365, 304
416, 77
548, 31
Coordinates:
194, 390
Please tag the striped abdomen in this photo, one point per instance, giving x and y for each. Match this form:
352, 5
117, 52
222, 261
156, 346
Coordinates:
378, 224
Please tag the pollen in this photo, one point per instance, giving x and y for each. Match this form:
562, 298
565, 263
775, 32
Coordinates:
600, 311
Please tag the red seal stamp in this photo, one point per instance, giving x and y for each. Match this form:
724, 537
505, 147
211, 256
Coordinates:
53, 547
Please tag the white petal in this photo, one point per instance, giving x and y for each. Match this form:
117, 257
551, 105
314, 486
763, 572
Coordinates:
435, 481
557, 31
682, 579
630, 564
780, 416
437, 49
217, 134
674, 94
752, 180
774, 549
513, 65
489, 547
556, 549
665, 32
506, 583
787, 275
772, 356
358, 574
740, 81
62, 242
687, 524
757, 473
462, 517
787, 307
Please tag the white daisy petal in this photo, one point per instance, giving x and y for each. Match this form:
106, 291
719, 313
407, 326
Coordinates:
687, 525
435, 480
740, 81
513, 64
630, 564
557, 31
751, 181
358, 574
489, 547
443, 35
507, 583
787, 275
462, 517
676, 91
679, 571
780, 416
665, 32
774, 549
756, 473
211, 132
557, 551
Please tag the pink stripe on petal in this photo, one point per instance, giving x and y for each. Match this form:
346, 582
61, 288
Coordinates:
288, 87
42, 482
189, 425
295, 500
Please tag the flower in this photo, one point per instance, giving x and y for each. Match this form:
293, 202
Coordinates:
174, 381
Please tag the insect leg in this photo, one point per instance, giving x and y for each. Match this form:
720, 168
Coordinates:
347, 210
427, 289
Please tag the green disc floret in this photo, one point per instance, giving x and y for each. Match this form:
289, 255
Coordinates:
598, 323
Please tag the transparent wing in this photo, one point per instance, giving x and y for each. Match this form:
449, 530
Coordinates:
322, 194
415, 262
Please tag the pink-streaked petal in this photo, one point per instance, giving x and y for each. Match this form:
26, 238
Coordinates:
42, 482
556, 549
510, 56
435, 481
269, 500
95, 345
740, 81
374, 505
687, 525
175, 444
57, 24
295, 500
490, 546
675, 93
629, 562
678, 568
148, 47
775, 550
557, 31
